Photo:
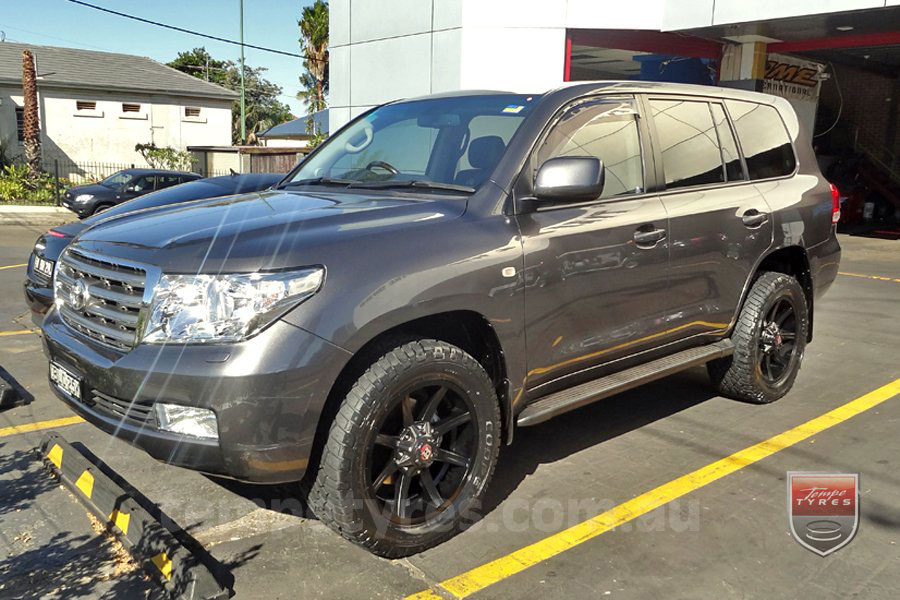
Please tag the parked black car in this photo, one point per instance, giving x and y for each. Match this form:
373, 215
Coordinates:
48, 247
439, 272
86, 200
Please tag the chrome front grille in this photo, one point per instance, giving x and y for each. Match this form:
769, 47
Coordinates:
101, 297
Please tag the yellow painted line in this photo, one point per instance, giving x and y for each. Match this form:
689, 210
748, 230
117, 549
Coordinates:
481, 577
164, 564
27, 428
875, 277
13, 266
85, 483
21, 332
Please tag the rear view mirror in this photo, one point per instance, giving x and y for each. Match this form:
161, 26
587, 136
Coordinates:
569, 179
439, 121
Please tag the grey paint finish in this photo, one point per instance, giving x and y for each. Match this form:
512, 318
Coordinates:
588, 294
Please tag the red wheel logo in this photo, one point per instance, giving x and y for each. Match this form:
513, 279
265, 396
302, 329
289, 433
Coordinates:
426, 452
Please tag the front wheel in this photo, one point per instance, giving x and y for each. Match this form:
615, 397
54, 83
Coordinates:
769, 339
410, 451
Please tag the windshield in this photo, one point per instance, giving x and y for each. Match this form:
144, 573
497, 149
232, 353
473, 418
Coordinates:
440, 143
116, 180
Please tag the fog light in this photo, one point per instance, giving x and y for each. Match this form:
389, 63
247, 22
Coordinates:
187, 420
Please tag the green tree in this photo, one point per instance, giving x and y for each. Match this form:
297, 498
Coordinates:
313, 26
263, 109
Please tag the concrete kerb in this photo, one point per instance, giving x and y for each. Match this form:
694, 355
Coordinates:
50, 216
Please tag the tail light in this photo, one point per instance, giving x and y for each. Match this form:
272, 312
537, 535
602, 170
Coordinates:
58, 234
835, 204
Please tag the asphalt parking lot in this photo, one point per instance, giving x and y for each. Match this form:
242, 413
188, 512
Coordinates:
721, 532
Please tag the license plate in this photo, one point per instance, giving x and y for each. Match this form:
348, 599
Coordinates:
43, 266
65, 381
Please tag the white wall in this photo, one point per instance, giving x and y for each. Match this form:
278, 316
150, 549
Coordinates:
109, 135
682, 14
384, 50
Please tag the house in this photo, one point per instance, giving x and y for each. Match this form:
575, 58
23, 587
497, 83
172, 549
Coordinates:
95, 106
293, 134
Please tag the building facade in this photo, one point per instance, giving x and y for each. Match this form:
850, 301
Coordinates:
382, 51
94, 107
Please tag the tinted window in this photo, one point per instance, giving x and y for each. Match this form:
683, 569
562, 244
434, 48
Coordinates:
164, 181
607, 129
733, 169
764, 139
688, 142
144, 184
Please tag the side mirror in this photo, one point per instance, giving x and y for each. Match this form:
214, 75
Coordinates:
569, 179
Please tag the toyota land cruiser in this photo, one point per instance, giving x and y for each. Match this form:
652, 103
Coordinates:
439, 272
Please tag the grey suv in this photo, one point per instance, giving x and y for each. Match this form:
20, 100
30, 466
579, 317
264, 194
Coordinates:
442, 271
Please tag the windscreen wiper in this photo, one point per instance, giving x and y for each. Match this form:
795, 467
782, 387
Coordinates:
415, 183
319, 181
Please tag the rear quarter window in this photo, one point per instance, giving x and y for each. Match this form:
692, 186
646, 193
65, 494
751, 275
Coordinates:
763, 138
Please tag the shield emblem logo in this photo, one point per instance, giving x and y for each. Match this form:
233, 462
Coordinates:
823, 509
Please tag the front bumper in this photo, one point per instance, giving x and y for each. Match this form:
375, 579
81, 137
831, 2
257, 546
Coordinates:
267, 393
82, 209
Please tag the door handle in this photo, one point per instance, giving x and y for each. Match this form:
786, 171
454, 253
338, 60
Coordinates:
646, 237
754, 218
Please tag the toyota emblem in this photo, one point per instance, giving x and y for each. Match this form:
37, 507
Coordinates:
79, 295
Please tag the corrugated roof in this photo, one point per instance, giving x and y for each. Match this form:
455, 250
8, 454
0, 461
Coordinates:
297, 127
89, 69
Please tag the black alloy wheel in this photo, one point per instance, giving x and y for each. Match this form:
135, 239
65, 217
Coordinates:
769, 338
411, 450
422, 456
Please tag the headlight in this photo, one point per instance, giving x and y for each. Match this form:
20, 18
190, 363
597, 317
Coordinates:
224, 308
196, 422
84, 197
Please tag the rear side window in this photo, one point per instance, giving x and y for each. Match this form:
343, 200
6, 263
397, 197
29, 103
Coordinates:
730, 156
764, 139
688, 143
607, 129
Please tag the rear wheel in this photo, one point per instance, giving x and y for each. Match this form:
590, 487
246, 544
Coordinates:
769, 340
410, 451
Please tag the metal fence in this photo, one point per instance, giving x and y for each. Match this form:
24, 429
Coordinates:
84, 172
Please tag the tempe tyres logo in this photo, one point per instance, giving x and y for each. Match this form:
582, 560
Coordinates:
823, 509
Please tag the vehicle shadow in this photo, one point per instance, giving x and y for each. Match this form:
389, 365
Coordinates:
591, 426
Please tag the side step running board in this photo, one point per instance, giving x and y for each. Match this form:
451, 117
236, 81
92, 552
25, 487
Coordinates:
591, 391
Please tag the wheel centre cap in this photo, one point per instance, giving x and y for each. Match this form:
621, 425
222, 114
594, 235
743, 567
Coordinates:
416, 446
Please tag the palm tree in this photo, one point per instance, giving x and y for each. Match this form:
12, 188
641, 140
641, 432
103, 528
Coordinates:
30, 123
314, 43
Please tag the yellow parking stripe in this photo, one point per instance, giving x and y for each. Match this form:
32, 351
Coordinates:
13, 266
29, 427
875, 277
20, 332
481, 577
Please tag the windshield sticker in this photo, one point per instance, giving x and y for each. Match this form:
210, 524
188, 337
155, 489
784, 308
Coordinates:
513, 109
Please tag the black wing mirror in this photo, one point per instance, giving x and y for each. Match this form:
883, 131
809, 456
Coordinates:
566, 179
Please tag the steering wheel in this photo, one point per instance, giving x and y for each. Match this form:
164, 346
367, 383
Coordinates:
382, 165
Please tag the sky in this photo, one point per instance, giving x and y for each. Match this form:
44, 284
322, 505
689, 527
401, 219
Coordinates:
271, 23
